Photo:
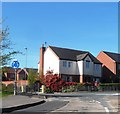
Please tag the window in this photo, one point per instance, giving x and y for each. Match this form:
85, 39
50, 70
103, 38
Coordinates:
87, 64
69, 64
119, 66
64, 64
96, 67
68, 79
11, 75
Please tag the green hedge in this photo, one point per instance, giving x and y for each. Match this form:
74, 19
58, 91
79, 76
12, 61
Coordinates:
109, 84
8, 88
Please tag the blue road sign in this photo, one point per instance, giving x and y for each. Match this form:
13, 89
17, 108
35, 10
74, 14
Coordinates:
15, 64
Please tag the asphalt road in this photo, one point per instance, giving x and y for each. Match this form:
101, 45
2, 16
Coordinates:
45, 107
83, 103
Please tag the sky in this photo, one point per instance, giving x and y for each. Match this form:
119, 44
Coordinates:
87, 26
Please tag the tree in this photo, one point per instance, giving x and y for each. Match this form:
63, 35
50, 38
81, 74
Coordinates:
32, 75
6, 51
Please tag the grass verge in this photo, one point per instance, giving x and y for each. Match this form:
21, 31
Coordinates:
5, 94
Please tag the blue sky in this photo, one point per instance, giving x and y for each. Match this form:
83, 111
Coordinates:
85, 26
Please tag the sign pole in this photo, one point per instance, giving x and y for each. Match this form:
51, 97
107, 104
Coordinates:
15, 65
15, 83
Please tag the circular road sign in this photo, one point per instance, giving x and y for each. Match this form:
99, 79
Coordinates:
15, 64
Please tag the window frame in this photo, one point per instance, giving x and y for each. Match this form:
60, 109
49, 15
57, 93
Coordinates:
69, 64
64, 63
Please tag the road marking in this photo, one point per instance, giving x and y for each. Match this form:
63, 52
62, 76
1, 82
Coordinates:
113, 94
98, 102
106, 109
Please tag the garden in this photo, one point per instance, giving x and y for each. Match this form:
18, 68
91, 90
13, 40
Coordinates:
53, 83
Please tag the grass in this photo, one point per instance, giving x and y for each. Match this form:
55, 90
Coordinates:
5, 94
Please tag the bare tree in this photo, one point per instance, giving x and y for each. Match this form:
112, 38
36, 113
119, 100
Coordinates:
6, 50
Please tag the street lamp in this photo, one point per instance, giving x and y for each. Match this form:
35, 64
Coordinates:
25, 66
26, 57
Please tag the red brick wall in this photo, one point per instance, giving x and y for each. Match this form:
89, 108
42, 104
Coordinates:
41, 67
19, 82
107, 61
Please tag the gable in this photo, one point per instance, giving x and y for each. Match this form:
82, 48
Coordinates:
87, 58
51, 52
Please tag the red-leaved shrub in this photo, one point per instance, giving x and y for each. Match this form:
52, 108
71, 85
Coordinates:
54, 82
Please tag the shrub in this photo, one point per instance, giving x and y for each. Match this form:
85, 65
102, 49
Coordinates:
48, 90
3, 88
70, 83
54, 82
10, 88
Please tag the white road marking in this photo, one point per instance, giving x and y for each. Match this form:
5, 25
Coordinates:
106, 109
113, 94
98, 102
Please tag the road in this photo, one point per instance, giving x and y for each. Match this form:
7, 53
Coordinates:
85, 102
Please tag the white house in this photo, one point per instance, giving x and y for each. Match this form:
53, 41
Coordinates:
71, 65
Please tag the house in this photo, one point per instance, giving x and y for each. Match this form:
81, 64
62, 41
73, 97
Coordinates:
8, 75
72, 65
111, 66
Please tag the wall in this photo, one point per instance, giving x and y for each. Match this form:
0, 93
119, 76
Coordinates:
19, 82
80, 67
51, 61
68, 70
107, 61
88, 71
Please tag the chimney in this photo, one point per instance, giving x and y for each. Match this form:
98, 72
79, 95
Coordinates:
41, 64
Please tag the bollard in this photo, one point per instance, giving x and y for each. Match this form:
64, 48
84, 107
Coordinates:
43, 88
22, 89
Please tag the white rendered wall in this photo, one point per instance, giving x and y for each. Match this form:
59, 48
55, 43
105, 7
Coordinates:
51, 61
80, 68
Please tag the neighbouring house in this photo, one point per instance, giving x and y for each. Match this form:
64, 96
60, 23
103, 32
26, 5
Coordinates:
8, 75
71, 65
110, 66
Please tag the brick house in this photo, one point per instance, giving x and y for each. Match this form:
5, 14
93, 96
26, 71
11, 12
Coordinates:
8, 75
72, 65
110, 67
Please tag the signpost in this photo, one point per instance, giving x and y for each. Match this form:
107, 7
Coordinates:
15, 65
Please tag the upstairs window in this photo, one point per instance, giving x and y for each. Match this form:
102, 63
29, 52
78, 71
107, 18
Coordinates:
87, 64
96, 67
64, 64
69, 64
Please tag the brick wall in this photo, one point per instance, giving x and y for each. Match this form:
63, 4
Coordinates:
107, 61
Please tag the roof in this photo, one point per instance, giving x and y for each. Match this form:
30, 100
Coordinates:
28, 69
9, 69
71, 54
114, 56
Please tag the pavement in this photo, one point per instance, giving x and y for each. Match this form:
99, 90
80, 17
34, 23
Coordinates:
17, 102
